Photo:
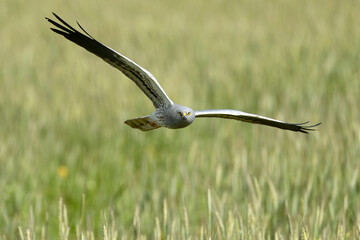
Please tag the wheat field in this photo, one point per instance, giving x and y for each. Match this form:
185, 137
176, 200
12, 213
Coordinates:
70, 168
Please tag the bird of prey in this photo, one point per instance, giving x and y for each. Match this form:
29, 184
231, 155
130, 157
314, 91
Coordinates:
167, 113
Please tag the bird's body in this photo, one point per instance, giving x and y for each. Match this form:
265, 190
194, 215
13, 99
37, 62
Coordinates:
172, 116
167, 113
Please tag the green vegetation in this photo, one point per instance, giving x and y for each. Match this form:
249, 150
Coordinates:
70, 168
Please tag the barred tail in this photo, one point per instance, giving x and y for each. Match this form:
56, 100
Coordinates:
142, 123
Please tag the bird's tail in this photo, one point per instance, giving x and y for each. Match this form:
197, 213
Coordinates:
142, 123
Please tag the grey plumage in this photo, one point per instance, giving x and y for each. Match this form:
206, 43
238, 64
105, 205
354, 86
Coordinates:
167, 114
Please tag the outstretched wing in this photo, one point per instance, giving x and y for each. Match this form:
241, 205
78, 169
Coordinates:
252, 118
140, 76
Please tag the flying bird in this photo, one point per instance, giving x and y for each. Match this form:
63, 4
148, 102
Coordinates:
167, 113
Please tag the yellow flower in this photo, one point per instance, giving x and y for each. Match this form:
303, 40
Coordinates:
62, 171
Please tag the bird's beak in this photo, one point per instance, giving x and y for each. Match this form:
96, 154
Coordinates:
184, 114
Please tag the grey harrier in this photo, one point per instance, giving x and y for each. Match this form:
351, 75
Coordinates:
167, 113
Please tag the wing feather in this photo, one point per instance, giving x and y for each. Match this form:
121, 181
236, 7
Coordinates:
252, 118
140, 76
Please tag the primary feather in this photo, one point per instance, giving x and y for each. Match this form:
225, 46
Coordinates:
140, 76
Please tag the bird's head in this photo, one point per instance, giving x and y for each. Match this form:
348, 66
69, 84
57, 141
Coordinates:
180, 116
185, 113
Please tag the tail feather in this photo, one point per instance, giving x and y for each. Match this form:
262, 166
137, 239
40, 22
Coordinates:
142, 123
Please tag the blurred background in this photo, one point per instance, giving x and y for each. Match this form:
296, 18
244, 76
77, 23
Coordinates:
62, 111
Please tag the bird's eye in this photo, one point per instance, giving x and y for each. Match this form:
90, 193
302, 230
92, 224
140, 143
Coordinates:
179, 113
188, 113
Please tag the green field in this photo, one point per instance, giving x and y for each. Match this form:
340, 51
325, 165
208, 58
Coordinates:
70, 168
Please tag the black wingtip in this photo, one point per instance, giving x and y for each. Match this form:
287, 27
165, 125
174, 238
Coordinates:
66, 28
316, 124
84, 30
55, 15
304, 129
299, 124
